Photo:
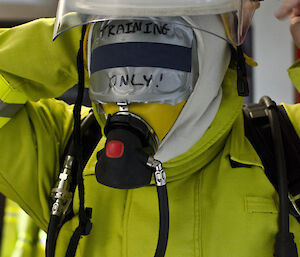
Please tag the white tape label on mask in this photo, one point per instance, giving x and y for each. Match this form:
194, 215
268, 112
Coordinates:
141, 61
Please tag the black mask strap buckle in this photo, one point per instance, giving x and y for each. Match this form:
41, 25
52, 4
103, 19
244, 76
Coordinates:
242, 81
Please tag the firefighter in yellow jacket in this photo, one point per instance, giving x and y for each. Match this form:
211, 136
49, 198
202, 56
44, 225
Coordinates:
164, 89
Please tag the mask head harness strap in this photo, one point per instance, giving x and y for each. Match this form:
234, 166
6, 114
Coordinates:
85, 214
63, 193
242, 81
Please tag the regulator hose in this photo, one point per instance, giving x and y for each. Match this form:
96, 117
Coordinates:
162, 193
163, 221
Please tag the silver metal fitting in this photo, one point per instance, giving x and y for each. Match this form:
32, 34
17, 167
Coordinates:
159, 174
123, 107
60, 195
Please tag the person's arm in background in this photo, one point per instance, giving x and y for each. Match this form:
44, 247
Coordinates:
291, 9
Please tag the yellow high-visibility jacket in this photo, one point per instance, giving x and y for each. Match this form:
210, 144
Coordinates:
216, 210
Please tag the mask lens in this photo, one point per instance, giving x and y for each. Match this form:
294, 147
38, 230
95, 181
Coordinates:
141, 61
236, 14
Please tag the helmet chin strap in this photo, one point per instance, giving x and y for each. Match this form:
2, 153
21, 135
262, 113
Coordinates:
127, 162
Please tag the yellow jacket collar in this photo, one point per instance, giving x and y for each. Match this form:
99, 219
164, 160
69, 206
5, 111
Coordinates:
215, 137
241, 150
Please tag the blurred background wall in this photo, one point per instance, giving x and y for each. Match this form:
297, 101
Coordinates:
273, 49
24, 10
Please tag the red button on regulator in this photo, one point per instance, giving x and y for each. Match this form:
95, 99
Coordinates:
114, 149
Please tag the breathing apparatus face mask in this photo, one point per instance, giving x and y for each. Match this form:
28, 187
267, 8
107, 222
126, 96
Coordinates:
133, 63
137, 60
142, 60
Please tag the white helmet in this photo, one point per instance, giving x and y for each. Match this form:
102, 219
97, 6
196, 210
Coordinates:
236, 14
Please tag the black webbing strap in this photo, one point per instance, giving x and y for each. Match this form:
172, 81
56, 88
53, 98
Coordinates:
91, 135
84, 214
83, 229
238, 58
257, 130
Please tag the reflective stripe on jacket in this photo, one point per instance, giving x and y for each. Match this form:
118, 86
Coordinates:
11, 101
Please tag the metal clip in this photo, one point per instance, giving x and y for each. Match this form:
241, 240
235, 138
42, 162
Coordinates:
123, 106
159, 174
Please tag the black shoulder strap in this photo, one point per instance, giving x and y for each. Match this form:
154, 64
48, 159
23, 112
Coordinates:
258, 131
90, 136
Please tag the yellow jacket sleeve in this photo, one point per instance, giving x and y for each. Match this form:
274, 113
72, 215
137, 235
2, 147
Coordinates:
32, 144
3, 30
293, 111
35, 65
294, 73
